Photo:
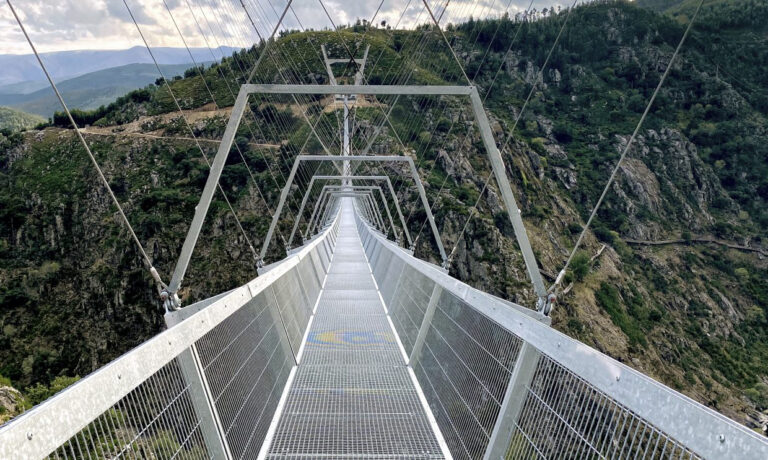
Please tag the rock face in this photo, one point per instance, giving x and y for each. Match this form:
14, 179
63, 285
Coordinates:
11, 403
664, 176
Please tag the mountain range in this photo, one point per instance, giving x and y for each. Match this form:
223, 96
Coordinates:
90, 78
23, 69
91, 90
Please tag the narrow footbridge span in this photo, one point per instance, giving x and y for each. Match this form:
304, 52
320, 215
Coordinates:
352, 348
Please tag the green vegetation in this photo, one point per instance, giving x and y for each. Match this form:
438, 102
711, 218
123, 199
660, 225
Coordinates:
15, 120
580, 266
39, 392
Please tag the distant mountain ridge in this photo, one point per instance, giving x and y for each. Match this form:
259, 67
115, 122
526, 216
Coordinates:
92, 90
20, 68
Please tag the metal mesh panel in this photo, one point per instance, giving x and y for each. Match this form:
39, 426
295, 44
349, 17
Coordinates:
345, 306
340, 268
322, 251
389, 278
352, 396
376, 258
295, 308
349, 281
155, 420
318, 264
309, 279
380, 267
408, 305
464, 368
247, 367
565, 416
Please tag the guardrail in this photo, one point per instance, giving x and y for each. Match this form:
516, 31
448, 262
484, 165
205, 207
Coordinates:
503, 384
206, 387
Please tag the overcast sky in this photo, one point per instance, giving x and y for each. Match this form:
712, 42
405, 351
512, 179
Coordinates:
57, 25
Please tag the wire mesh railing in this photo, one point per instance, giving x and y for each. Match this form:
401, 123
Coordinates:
154, 420
502, 384
207, 387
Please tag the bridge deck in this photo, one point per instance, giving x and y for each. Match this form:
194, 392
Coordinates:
353, 395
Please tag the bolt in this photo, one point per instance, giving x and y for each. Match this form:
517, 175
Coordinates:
119, 376
721, 438
29, 435
558, 344
618, 377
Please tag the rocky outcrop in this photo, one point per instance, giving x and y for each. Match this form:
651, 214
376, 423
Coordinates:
11, 403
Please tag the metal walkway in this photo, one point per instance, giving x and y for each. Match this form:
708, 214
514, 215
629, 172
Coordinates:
351, 348
353, 395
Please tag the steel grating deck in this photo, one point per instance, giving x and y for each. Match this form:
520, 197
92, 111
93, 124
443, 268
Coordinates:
353, 395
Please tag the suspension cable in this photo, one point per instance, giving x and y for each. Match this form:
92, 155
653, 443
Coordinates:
539, 77
181, 111
485, 97
562, 272
445, 38
160, 284
217, 106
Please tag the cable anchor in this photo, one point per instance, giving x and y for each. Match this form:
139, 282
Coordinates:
546, 303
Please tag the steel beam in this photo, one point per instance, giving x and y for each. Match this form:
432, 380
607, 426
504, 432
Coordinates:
202, 399
358, 158
360, 89
437, 291
514, 400
500, 173
372, 188
276, 216
210, 187
352, 178
497, 164
320, 200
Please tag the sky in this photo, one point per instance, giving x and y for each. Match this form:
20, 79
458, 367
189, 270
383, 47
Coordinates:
106, 24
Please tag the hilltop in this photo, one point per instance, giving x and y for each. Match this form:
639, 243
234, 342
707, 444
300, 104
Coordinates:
670, 280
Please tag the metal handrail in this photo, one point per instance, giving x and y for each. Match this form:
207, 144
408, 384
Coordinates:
698, 428
49, 425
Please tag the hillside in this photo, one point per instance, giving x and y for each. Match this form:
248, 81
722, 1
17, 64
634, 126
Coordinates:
671, 280
91, 90
19, 68
15, 120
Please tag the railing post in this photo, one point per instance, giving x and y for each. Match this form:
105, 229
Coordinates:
202, 399
425, 323
512, 405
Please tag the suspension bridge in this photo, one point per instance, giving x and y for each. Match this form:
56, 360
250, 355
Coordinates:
350, 346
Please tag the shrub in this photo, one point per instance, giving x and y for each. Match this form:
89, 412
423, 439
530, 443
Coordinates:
575, 228
580, 265
608, 299
39, 393
758, 395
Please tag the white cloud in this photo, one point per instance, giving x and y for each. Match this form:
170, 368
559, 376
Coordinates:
105, 24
